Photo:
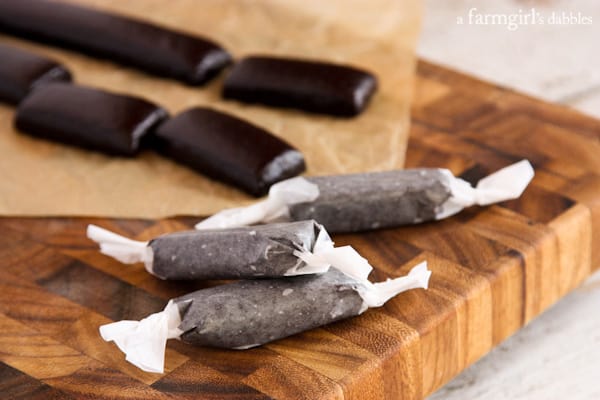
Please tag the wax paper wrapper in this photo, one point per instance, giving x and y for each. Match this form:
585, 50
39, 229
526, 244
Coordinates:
246, 314
44, 178
360, 202
264, 251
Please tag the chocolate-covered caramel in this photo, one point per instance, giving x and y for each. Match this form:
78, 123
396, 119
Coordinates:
229, 149
154, 49
21, 71
87, 117
312, 86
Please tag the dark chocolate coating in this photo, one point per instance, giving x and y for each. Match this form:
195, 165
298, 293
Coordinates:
307, 85
251, 313
21, 71
154, 49
361, 202
88, 118
229, 149
263, 251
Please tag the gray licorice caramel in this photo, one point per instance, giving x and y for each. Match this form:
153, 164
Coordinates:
89, 118
149, 47
360, 202
251, 313
229, 149
249, 252
312, 86
21, 71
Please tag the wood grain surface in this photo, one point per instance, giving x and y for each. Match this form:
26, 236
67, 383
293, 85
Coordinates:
494, 270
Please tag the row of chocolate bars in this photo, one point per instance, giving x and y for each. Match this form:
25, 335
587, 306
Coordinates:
214, 143
291, 276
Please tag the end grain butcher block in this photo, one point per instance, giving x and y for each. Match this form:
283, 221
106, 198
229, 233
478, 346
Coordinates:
494, 269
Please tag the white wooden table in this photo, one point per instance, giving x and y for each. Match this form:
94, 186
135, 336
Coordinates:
557, 355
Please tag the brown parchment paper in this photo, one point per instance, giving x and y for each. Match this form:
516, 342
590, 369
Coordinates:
43, 178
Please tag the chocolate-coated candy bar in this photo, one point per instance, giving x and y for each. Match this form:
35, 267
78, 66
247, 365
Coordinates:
151, 48
246, 314
21, 71
87, 117
307, 85
359, 202
229, 149
263, 251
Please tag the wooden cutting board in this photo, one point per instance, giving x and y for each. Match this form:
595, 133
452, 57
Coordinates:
494, 270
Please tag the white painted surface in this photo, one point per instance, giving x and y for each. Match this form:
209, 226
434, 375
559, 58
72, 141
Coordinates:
557, 356
555, 62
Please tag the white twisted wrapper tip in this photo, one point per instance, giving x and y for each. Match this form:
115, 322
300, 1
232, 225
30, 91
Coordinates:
125, 250
144, 342
377, 294
324, 255
505, 184
281, 195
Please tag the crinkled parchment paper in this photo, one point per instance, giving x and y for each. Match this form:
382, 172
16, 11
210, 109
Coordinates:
43, 178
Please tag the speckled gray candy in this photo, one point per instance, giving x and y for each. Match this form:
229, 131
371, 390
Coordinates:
249, 313
359, 202
247, 252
